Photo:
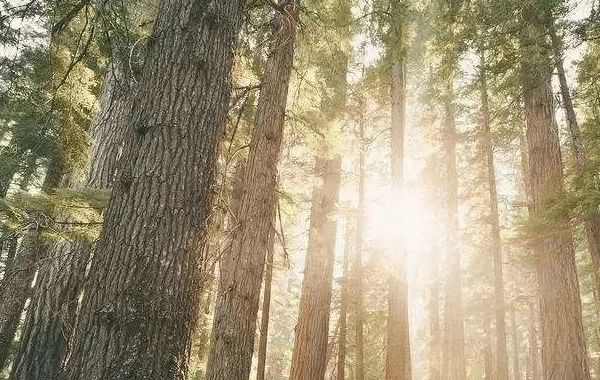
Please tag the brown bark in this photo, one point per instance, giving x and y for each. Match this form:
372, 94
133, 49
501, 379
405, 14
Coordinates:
309, 358
242, 264
266, 307
501, 366
61, 274
454, 364
515, 345
343, 322
398, 358
16, 284
141, 303
563, 340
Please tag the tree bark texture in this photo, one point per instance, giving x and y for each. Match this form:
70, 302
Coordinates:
141, 304
16, 285
61, 274
564, 354
242, 264
309, 358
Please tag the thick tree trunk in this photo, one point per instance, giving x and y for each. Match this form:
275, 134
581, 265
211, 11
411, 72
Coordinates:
434, 346
309, 358
515, 345
398, 359
563, 340
242, 263
16, 285
52, 310
343, 323
141, 303
454, 364
266, 308
501, 351
358, 261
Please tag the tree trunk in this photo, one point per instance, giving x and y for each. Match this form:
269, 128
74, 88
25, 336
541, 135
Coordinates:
242, 264
488, 353
435, 357
501, 351
358, 261
398, 359
52, 310
515, 344
343, 323
563, 340
592, 221
454, 365
266, 307
533, 370
140, 306
309, 358
16, 285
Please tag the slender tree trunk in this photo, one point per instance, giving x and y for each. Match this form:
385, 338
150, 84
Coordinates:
309, 358
242, 264
9, 244
563, 340
534, 372
140, 308
398, 359
488, 354
52, 310
358, 261
515, 344
266, 308
501, 351
592, 221
454, 364
435, 357
343, 324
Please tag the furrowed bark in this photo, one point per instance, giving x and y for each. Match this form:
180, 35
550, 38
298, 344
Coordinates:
16, 285
309, 358
242, 264
61, 274
140, 308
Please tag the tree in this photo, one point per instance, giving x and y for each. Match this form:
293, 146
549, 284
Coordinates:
243, 261
560, 303
139, 311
